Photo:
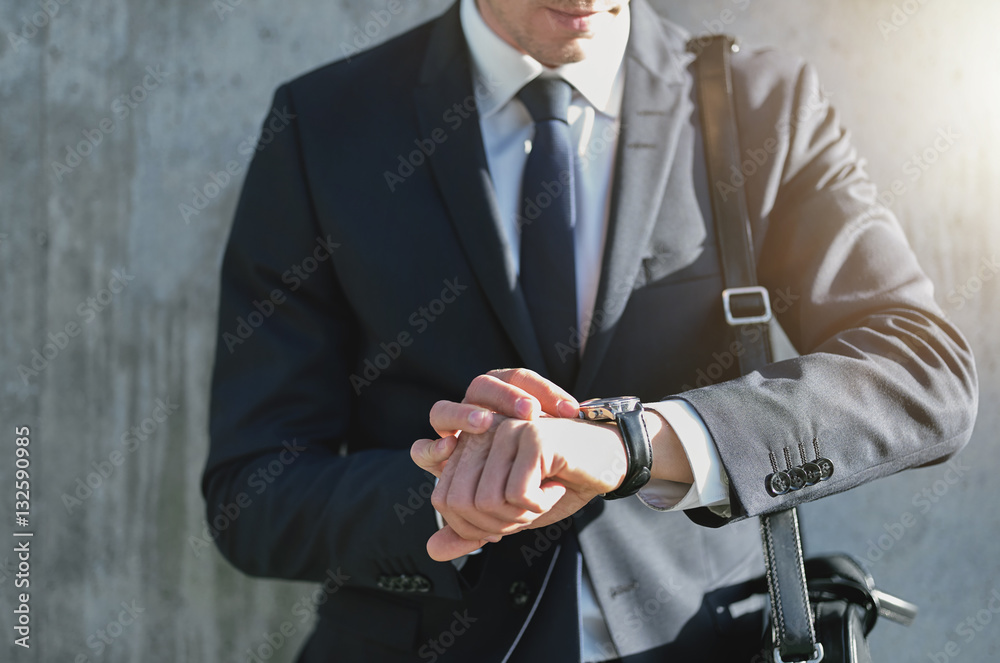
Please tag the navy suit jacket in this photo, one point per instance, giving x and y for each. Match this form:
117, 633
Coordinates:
367, 276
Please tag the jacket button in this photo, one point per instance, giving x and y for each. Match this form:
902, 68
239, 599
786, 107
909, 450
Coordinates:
421, 584
825, 467
778, 483
519, 593
390, 583
404, 583
797, 478
813, 473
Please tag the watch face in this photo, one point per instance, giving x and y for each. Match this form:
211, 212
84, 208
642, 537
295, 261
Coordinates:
605, 409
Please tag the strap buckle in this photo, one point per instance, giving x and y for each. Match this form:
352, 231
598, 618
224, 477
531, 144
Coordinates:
744, 301
817, 655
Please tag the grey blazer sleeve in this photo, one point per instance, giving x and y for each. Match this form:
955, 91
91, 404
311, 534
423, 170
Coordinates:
884, 382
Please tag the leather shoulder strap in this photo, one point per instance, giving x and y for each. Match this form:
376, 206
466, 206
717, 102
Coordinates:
747, 304
732, 224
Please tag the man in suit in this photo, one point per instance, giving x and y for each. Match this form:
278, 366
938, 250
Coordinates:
380, 267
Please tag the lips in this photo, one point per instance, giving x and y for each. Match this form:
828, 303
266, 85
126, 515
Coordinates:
575, 21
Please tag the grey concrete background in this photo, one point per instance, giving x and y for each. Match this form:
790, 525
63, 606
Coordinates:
140, 357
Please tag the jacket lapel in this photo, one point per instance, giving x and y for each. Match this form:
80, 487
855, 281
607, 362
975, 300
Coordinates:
443, 97
654, 110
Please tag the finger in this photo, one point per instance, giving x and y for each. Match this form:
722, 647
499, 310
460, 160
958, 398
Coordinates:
431, 455
528, 484
457, 511
469, 523
454, 495
500, 396
552, 398
520, 393
444, 479
491, 493
448, 418
466, 470
480, 526
445, 545
473, 531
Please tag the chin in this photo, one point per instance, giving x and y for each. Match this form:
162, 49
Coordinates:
566, 54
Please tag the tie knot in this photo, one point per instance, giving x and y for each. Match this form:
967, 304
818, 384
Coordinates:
547, 99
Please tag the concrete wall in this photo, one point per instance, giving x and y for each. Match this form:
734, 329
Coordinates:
97, 254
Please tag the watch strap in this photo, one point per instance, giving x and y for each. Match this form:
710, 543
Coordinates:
638, 453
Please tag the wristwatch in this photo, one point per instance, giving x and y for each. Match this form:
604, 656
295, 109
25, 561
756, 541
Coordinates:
626, 412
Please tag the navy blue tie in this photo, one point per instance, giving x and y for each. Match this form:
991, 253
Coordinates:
548, 207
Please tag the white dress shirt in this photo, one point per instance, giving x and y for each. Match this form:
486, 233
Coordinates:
594, 118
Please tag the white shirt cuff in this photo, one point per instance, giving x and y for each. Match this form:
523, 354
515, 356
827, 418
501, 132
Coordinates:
711, 483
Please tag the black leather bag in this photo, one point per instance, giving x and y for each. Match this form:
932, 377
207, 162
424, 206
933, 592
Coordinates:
844, 606
822, 609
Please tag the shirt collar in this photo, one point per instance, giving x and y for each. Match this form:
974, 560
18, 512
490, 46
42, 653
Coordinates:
506, 70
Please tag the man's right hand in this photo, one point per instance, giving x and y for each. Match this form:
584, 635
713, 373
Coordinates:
517, 393
510, 393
